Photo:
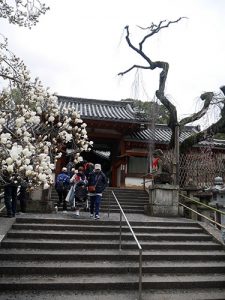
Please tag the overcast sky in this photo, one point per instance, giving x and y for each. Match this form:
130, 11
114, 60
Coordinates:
78, 48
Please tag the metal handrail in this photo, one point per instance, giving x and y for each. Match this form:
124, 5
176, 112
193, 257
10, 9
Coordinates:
203, 204
136, 240
1, 197
218, 224
145, 181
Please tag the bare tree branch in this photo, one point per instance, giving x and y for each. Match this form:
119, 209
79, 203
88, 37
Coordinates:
133, 67
160, 93
218, 127
207, 98
156, 28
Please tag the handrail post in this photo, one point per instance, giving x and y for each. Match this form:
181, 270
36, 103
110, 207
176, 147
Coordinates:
122, 214
120, 247
140, 275
109, 200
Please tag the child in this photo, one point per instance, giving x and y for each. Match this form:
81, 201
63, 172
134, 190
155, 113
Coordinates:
80, 187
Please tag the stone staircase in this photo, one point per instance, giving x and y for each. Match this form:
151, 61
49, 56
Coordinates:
131, 200
68, 258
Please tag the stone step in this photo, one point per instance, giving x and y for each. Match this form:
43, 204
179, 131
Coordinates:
125, 202
110, 254
126, 210
18, 268
128, 281
105, 244
134, 192
121, 201
119, 294
70, 221
109, 228
84, 235
126, 198
79, 255
124, 206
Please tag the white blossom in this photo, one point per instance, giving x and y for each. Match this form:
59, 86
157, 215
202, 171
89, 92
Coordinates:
33, 129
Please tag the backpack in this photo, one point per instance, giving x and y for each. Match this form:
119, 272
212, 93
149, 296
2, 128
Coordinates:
61, 184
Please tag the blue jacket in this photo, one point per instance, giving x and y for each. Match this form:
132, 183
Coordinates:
64, 178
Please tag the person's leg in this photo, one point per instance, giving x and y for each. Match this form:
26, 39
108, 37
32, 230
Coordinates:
60, 195
14, 199
7, 199
77, 209
97, 204
64, 194
92, 204
23, 199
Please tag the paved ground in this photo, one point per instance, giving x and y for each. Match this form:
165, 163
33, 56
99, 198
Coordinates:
5, 224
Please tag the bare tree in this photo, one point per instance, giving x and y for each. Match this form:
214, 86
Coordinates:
209, 98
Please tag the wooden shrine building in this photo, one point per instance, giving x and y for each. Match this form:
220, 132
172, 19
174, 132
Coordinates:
122, 136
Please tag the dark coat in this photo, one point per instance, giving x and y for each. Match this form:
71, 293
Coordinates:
10, 179
80, 186
99, 180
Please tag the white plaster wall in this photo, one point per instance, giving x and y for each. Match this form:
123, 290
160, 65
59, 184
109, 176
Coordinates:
134, 182
137, 182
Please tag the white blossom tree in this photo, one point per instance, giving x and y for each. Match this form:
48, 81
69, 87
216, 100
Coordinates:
33, 131
22, 12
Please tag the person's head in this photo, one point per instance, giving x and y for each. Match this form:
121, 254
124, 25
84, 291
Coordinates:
80, 170
90, 167
64, 170
97, 168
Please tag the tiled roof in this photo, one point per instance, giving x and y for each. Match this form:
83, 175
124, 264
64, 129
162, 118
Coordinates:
123, 111
120, 111
214, 142
160, 134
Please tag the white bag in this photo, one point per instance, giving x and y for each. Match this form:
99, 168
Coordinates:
70, 195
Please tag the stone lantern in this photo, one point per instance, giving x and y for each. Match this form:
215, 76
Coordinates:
218, 201
218, 192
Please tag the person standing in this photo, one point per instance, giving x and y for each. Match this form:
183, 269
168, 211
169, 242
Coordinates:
79, 182
62, 186
22, 195
70, 167
10, 193
98, 181
88, 168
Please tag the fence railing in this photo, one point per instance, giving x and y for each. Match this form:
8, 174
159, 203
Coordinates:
122, 214
199, 168
205, 205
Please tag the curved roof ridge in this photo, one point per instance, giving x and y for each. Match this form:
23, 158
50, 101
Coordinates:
95, 101
110, 110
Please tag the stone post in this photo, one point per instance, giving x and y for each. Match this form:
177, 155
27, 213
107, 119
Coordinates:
40, 201
163, 200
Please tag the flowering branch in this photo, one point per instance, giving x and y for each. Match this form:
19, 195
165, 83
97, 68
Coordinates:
22, 12
33, 130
